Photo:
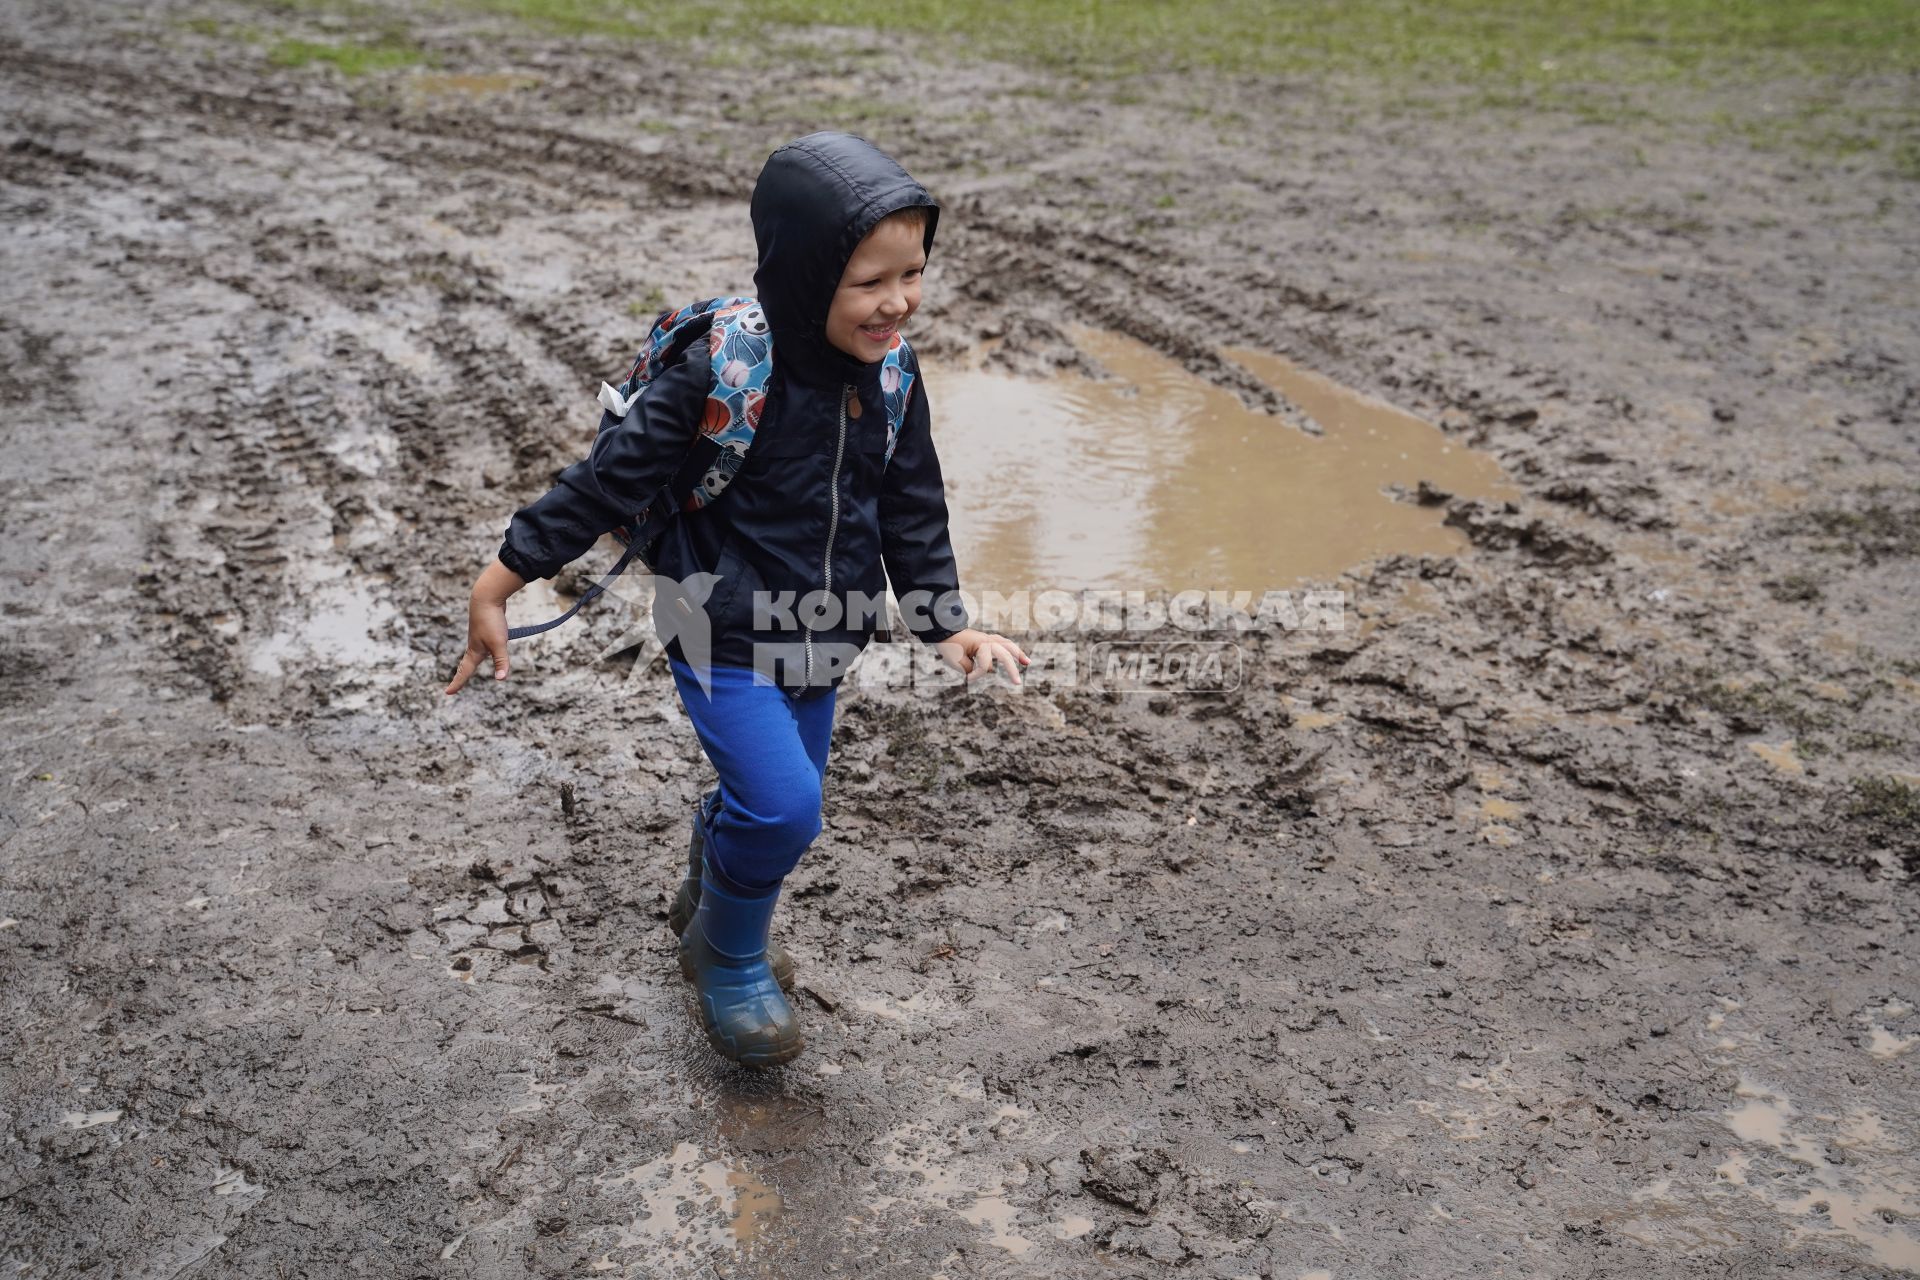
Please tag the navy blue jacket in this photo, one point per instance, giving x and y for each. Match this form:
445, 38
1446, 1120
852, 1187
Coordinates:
817, 507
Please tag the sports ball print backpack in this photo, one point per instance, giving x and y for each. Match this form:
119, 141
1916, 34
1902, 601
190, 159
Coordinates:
740, 347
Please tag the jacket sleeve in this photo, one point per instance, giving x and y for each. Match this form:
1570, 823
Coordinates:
913, 530
630, 460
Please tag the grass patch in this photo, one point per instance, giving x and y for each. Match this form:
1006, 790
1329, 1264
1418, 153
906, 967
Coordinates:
351, 58
1750, 708
1533, 40
1590, 59
1906, 159
1874, 740
1874, 532
1650, 217
1888, 801
649, 304
1887, 812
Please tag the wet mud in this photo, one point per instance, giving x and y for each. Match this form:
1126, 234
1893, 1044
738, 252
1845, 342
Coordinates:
1554, 917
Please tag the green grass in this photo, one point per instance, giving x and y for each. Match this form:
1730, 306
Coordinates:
1793, 67
1875, 531
1750, 708
1489, 42
1886, 800
650, 304
352, 58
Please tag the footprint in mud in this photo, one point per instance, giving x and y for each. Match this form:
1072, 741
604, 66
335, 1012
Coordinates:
509, 921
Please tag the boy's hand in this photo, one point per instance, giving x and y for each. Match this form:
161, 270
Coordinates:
487, 622
976, 653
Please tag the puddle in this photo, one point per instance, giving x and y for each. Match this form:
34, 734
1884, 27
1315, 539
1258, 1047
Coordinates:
927, 1178
1780, 755
1303, 716
1866, 1196
232, 1184
1460, 1124
995, 1214
335, 622
1770, 498
336, 631
439, 84
1662, 1219
1158, 480
730, 1207
87, 1119
1885, 1045
1871, 1200
1417, 597
892, 1009
1494, 810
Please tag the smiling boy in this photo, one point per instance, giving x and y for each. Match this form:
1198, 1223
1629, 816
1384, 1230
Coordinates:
830, 504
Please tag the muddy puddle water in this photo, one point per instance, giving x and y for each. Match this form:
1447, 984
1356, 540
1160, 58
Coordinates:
429, 86
692, 1204
1156, 479
1844, 1178
1868, 1194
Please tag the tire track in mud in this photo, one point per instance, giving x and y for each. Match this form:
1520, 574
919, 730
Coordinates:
265, 444
1111, 283
453, 141
255, 437
1030, 261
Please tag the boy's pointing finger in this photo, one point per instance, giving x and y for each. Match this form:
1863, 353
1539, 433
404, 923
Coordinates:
464, 670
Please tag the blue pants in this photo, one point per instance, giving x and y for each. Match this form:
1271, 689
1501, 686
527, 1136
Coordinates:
770, 749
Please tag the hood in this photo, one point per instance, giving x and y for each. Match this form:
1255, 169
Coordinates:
815, 200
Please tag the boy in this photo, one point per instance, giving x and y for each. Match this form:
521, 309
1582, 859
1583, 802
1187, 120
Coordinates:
826, 508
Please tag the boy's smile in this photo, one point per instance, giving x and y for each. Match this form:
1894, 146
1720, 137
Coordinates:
879, 290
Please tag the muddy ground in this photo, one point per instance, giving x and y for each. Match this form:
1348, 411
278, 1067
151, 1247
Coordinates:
1553, 919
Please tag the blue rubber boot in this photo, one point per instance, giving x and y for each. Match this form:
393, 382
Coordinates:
687, 900
724, 954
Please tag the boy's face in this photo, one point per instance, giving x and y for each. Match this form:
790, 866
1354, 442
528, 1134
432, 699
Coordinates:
878, 291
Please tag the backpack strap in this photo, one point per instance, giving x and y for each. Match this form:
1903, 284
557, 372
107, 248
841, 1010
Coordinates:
620, 567
740, 347
897, 373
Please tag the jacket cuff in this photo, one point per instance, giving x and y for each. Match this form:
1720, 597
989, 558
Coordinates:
946, 619
520, 564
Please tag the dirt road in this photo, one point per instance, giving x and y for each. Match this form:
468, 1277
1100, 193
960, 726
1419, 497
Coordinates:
1552, 919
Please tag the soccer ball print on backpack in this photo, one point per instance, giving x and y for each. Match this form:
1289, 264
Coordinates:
740, 350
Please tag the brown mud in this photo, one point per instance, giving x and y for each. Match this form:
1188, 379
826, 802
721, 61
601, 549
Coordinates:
1552, 919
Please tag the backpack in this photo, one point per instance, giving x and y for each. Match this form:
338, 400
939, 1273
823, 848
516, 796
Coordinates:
740, 346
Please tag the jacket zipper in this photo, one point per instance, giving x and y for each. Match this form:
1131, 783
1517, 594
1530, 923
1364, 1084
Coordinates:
833, 518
